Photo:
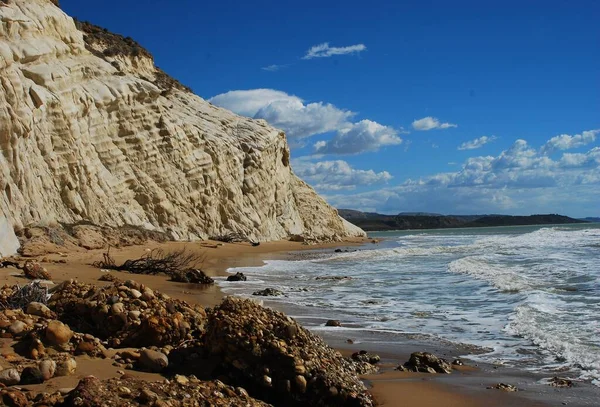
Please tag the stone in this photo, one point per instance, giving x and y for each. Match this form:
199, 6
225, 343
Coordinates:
15, 398
34, 271
135, 293
268, 292
147, 396
17, 328
426, 363
85, 348
48, 368
560, 382
237, 277
193, 276
58, 333
333, 322
66, 367
117, 308
39, 309
153, 361
10, 377
504, 387
31, 375
300, 383
364, 356
181, 379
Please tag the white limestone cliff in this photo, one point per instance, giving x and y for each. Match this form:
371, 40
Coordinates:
94, 133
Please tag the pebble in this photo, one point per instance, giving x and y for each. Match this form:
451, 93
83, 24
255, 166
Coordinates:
17, 328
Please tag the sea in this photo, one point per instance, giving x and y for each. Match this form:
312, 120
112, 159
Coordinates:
528, 295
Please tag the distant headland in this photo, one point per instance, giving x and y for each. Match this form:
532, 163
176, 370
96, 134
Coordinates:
370, 221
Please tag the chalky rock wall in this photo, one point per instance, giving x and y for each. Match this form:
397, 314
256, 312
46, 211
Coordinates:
91, 130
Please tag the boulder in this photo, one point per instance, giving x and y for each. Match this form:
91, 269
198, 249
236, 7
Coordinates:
426, 363
39, 309
66, 367
58, 333
237, 277
153, 361
268, 292
34, 271
10, 377
193, 276
364, 356
31, 375
48, 368
333, 322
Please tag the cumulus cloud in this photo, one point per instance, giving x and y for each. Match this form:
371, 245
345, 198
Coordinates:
302, 120
366, 135
567, 142
325, 51
337, 175
477, 143
290, 113
430, 123
521, 179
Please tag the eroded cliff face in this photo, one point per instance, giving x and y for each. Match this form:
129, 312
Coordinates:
91, 130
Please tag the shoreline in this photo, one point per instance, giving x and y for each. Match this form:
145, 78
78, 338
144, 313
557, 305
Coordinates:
391, 388
469, 385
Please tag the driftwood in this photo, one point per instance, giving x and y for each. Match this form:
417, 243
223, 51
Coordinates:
7, 263
231, 237
21, 297
154, 262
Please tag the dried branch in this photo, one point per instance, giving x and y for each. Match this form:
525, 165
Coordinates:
22, 296
155, 262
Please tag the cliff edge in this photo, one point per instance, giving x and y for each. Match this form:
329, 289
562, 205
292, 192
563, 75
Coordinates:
91, 130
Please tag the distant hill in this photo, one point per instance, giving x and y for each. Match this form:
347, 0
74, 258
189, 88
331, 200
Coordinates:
591, 219
370, 221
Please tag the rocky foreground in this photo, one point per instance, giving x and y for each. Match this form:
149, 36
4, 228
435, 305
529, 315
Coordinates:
236, 354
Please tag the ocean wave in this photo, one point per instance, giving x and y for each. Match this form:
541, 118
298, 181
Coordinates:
552, 325
505, 278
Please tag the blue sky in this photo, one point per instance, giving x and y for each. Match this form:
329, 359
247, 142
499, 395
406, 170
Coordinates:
452, 107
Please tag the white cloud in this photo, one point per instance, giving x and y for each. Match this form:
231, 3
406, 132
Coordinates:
325, 51
430, 123
302, 120
519, 180
477, 143
273, 68
337, 175
290, 113
567, 142
360, 137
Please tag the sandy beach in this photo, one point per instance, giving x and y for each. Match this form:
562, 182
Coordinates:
465, 387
